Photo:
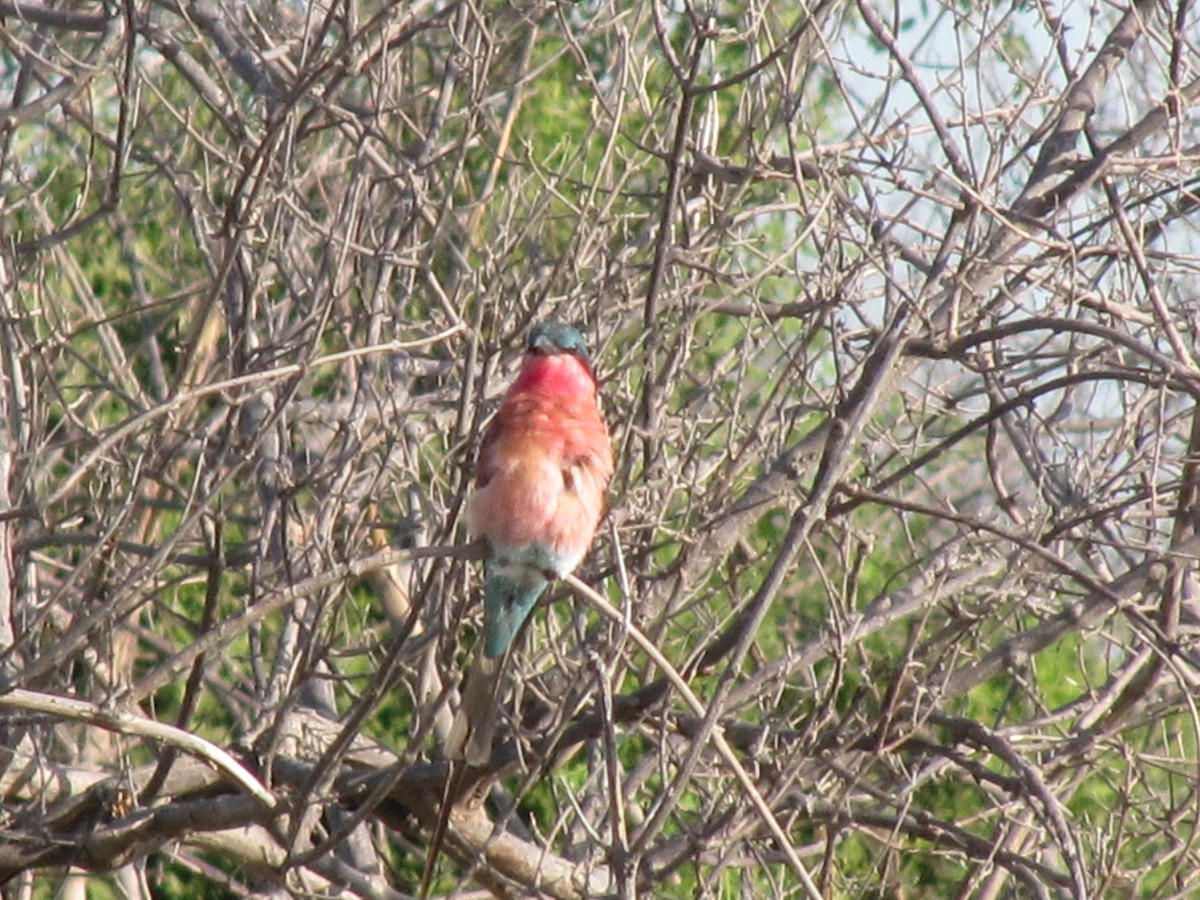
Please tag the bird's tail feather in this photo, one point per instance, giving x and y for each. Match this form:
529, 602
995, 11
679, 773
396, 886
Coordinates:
474, 725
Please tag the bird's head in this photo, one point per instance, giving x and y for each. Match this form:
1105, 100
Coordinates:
556, 360
555, 338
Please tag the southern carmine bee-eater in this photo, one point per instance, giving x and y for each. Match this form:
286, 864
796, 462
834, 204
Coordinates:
544, 464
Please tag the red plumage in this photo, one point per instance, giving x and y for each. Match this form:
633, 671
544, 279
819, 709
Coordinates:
544, 464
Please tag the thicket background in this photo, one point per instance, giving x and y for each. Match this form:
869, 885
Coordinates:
895, 311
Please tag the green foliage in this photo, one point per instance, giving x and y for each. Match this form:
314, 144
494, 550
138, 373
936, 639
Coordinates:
172, 879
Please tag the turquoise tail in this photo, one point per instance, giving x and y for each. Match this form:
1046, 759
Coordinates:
510, 592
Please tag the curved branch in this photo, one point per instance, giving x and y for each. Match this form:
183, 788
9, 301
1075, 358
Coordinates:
123, 722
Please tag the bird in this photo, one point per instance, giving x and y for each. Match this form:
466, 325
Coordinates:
543, 468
